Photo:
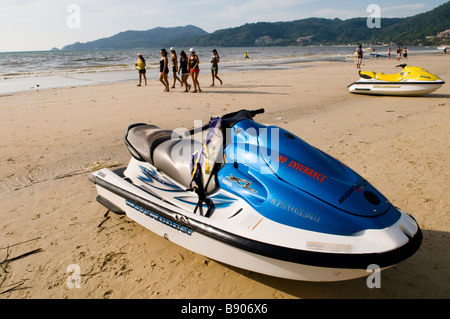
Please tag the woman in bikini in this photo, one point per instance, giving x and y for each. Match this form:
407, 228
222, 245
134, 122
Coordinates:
164, 70
174, 61
194, 69
184, 70
215, 67
141, 66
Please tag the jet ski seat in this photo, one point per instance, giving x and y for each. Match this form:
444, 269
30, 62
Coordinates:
165, 150
389, 77
173, 157
381, 76
142, 140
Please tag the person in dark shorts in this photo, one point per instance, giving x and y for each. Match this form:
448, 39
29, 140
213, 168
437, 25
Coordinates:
141, 69
164, 70
174, 60
184, 70
215, 67
405, 54
359, 57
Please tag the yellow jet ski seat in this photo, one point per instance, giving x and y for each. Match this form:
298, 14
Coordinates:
381, 76
389, 77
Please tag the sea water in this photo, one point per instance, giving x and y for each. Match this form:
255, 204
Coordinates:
20, 71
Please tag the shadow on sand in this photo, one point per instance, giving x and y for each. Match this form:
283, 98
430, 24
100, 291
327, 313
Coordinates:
425, 275
240, 92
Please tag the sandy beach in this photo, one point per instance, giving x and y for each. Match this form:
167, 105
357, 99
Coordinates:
53, 139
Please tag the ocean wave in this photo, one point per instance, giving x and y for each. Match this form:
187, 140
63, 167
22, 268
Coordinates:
65, 63
66, 71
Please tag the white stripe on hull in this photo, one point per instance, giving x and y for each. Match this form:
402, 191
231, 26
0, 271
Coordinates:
393, 89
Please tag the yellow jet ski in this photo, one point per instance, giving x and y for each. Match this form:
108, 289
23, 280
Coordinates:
412, 81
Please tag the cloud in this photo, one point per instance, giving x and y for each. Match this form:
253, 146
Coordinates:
405, 7
405, 10
341, 14
262, 10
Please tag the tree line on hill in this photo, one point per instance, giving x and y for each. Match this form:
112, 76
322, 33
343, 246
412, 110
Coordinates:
420, 29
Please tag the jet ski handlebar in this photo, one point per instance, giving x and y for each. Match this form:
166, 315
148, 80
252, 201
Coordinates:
228, 120
401, 65
256, 112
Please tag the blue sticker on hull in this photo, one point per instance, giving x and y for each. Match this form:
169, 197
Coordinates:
152, 178
159, 218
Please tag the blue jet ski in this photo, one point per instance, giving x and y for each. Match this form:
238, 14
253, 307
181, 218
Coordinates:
259, 198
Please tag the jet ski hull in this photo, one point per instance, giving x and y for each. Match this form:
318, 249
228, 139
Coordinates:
245, 239
412, 88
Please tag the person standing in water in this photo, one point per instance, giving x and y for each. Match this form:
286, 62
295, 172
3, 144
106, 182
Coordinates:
359, 57
215, 67
194, 69
405, 54
398, 53
174, 60
141, 69
164, 70
184, 70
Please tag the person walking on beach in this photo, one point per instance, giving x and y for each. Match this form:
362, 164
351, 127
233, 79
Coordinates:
389, 54
174, 60
141, 69
359, 57
184, 71
194, 69
215, 67
164, 70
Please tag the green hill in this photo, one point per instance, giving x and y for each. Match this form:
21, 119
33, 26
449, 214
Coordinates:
414, 30
312, 31
411, 30
157, 37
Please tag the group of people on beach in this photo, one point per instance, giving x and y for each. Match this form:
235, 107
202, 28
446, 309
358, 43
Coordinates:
399, 52
188, 66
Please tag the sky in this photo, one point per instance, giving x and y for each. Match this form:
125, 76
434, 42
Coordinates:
34, 25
